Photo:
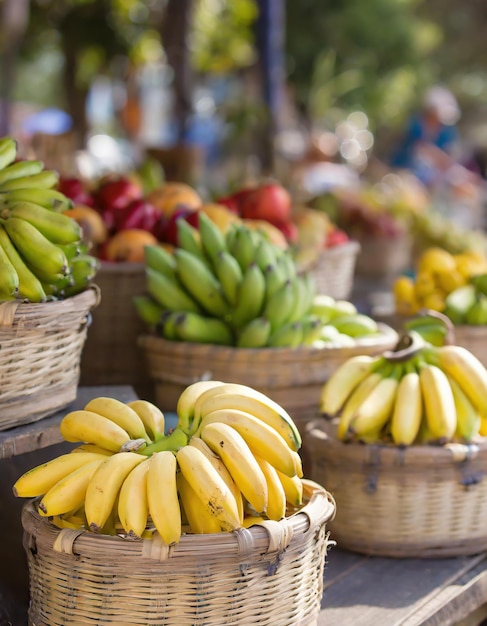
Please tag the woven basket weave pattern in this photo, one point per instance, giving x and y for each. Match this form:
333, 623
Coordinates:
423, 501
40, 354
334, 270
266, 576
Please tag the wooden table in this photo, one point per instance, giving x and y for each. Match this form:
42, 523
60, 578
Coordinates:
358, 590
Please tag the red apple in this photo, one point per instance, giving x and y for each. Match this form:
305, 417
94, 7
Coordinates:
269, 202
171, 230
137, 214
75, 189
289, 230
117, 193
336, 237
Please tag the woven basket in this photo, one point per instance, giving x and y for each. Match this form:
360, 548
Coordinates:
268, 575
111, 355
381, 258
421, 501
293, 377
334, 270
40, 355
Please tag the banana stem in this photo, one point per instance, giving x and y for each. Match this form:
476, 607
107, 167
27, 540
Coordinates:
175, 440
450, 328
407, 346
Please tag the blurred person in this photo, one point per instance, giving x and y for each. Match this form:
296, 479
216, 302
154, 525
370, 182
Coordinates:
428, 146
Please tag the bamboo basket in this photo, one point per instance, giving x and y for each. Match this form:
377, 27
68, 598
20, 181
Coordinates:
268, 575
382, 258
41, 346
111, 355
293, 377
420, 501
333, 271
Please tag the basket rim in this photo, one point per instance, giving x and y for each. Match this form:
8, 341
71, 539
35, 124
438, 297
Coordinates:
319, 509
350, 247
390, 455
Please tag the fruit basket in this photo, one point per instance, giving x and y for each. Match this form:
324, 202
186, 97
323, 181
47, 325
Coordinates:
334, 270
420, 501
111, 355
222, 578
384, 258
291, 376
40, 356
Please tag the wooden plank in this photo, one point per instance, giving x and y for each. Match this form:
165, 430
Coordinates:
45, 432
376, 590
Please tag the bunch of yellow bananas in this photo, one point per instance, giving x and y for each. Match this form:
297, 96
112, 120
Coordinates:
232, 460
233, 289
436, 395
42, 256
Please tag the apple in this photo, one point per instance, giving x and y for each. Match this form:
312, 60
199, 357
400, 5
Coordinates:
171, 230
137, 214
289, 230
75, 189
116, 193
336, 237
269, 202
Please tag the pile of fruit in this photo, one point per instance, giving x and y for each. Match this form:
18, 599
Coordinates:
239, 289
42, 255
414, 395
232, 461
439, 284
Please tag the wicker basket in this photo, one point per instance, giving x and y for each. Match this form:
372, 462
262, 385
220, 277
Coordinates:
421, 501
41, 346
268, 575
293, 377
334, 270
111, 355
381, 258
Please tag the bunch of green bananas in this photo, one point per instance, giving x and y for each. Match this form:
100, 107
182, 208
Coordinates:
238, 289
42, 256
231, 461
426, 395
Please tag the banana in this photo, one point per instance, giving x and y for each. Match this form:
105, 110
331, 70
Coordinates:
468, 418
200, 520
30, 287
121, 414
91, 447
276, 501
104, 487
345, 378
298, 464
174, 440
274, 280
354, 400
201, 283
56, 227
44, 180
189, 240
262, 439
160, 260
209, 486
220, 467
148, 310
232, 448
187, 400
250, 296
133, 507
37, 481
243, 247
255, 334
8, 151
373, 414
289, 335
265, 255
467, 370
356, 325
302, 300
162, 496
68, 494
212, 238
73, 250
47, 198
89, 427
151, 417
408, 410
19, 170
169, 293
286, 262
230, 275
167, 324
439, 402
83, 269
279, 306
197, 328
293, 488
252, 520
312, 326
9, 279
35, 248
237, 396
